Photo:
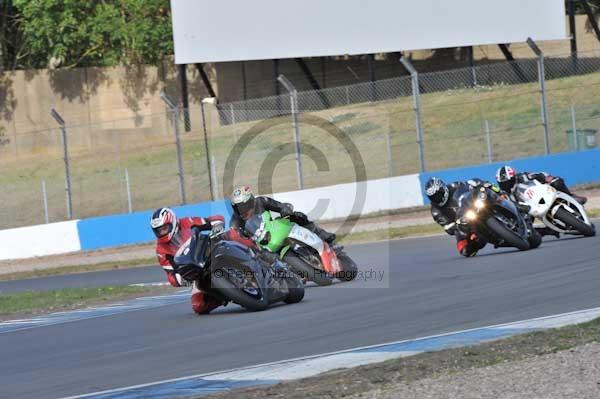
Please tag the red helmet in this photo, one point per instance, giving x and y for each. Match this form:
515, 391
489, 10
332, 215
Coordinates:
164, 224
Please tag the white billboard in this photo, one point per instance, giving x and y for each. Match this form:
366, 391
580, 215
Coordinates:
235, 30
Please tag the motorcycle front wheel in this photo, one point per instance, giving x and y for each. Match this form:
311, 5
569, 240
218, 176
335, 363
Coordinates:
222, 281
508, 236
577, 224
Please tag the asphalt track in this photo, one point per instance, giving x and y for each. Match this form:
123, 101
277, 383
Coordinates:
431, 291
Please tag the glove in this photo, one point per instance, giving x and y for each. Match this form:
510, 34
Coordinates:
287, 210
450, 228
182, 282
217, 227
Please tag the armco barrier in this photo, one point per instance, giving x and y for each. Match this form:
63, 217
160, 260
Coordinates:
575, 167
134, 228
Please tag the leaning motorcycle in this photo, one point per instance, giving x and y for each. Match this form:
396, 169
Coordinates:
557, 210
305, 253
495, 218
234, 273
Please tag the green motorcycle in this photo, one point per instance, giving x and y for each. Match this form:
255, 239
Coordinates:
304, 252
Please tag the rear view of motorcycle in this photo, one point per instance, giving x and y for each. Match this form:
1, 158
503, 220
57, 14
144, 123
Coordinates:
234, 273
557, 210
495, 218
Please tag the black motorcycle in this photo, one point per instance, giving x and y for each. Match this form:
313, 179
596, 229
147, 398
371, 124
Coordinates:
495, 218
231, 271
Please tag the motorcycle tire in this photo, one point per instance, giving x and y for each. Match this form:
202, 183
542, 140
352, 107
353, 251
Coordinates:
508, 236
296, 290
304, 270
221, 283
350, 270
570, 220
535, 239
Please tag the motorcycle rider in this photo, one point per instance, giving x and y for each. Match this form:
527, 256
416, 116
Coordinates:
443, 206
245, 205
508, 179
170, 234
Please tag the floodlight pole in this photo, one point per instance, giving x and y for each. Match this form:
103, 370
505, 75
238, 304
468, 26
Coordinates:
417, 107
542, 79
63, 129
173, 108
294, 108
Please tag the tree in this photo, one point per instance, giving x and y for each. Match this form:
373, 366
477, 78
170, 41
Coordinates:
71, 33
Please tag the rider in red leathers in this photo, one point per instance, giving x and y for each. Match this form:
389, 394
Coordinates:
171, 233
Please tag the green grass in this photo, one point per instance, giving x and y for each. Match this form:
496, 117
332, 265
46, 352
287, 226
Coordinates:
453, 123
67, 298
57, 271
392, 233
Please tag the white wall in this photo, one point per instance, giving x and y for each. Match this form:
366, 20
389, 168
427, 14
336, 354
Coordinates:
235, 30
338, 201
45, 239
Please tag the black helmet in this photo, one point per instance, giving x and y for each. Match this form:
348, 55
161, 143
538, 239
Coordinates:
506, 177
437, 191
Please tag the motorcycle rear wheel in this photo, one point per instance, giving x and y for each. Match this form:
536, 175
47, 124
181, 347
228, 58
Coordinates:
570, 220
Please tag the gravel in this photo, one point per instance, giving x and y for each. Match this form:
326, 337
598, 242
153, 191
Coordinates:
573, 373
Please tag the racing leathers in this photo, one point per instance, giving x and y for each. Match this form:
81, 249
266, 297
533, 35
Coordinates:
467, 244
262, 204
202, 302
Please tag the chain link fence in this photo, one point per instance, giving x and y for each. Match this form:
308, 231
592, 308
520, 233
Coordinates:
474, 115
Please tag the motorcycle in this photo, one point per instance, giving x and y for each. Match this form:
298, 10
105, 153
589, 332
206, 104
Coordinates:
234, 273
497, 219
557, 210
305, 253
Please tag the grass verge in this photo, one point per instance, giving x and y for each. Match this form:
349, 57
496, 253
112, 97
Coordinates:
354, 381
58, 271
35, 302
392, 233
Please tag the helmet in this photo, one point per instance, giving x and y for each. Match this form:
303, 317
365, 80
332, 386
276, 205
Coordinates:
164, 224
506, 177
242, 200
437, 191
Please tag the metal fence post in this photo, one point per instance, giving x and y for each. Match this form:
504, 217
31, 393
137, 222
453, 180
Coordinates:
45, 198
574, 122
63, 130
213, 174
213, 188
173, 108
416, 91
128, 186
488, 139
294, 105
544, 100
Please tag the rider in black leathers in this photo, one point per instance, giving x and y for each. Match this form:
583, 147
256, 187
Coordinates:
245, 204
443, 205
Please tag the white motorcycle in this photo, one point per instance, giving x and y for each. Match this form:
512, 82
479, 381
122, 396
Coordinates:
557, 210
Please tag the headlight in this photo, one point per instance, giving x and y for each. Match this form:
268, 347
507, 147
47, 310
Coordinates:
471, 215
479, 203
